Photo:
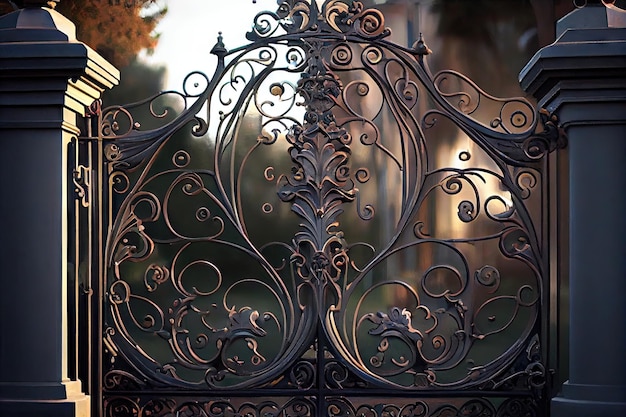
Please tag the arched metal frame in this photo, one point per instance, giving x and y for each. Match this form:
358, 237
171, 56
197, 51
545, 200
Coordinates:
315, 246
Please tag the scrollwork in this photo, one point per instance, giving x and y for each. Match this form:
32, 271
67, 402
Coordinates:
472, 408
158, 407
122, 381
265, 25
403, 408
82, 182
344, 16
516, 115
526, 181
338, 376
118, 122
336, 16
489, 277
305, 407
121, 407
518, 407
201, 294
551, 138
296, 15
302, 375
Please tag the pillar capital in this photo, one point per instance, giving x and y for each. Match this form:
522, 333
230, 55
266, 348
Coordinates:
585, 66
42, 65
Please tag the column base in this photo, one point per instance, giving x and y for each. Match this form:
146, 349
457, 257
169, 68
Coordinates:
39, 390
63, 399
578, 400
70, 407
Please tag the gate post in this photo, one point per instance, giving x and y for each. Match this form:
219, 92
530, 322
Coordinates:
580, 78
46, 80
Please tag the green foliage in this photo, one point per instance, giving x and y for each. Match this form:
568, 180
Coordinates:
117, 29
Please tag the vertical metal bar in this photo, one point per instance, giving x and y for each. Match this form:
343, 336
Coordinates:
321, 396
559, 267
73, 315
550, 321
100, 262
88, 270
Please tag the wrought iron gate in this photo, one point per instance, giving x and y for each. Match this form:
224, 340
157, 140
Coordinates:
345, 234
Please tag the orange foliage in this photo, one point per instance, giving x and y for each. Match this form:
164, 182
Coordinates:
117, 29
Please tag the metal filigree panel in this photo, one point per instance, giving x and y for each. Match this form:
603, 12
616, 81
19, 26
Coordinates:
343, 233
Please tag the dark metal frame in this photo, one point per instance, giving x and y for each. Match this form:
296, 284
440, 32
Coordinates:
325, 284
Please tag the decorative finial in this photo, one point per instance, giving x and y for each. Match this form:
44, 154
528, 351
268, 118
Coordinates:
35, 4
420, 48
219, 48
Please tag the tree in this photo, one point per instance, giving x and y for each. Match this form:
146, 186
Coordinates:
117, 29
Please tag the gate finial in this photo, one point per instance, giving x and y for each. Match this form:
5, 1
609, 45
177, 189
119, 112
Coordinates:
219, 49
32, 4
420, 48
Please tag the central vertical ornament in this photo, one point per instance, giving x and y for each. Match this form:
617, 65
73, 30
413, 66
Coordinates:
320, 182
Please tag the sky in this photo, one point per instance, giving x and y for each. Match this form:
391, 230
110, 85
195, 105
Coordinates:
190, 29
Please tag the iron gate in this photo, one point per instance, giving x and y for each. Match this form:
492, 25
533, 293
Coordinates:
343, 234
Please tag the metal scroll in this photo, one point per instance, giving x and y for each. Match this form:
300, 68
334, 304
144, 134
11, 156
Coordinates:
341, 233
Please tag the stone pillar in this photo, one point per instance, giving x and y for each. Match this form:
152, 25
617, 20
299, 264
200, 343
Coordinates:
581, 79
46, 80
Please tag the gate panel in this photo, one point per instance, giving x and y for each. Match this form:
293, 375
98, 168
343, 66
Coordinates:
343, 234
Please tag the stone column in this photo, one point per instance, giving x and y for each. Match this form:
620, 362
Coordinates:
581, 79
46, 80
